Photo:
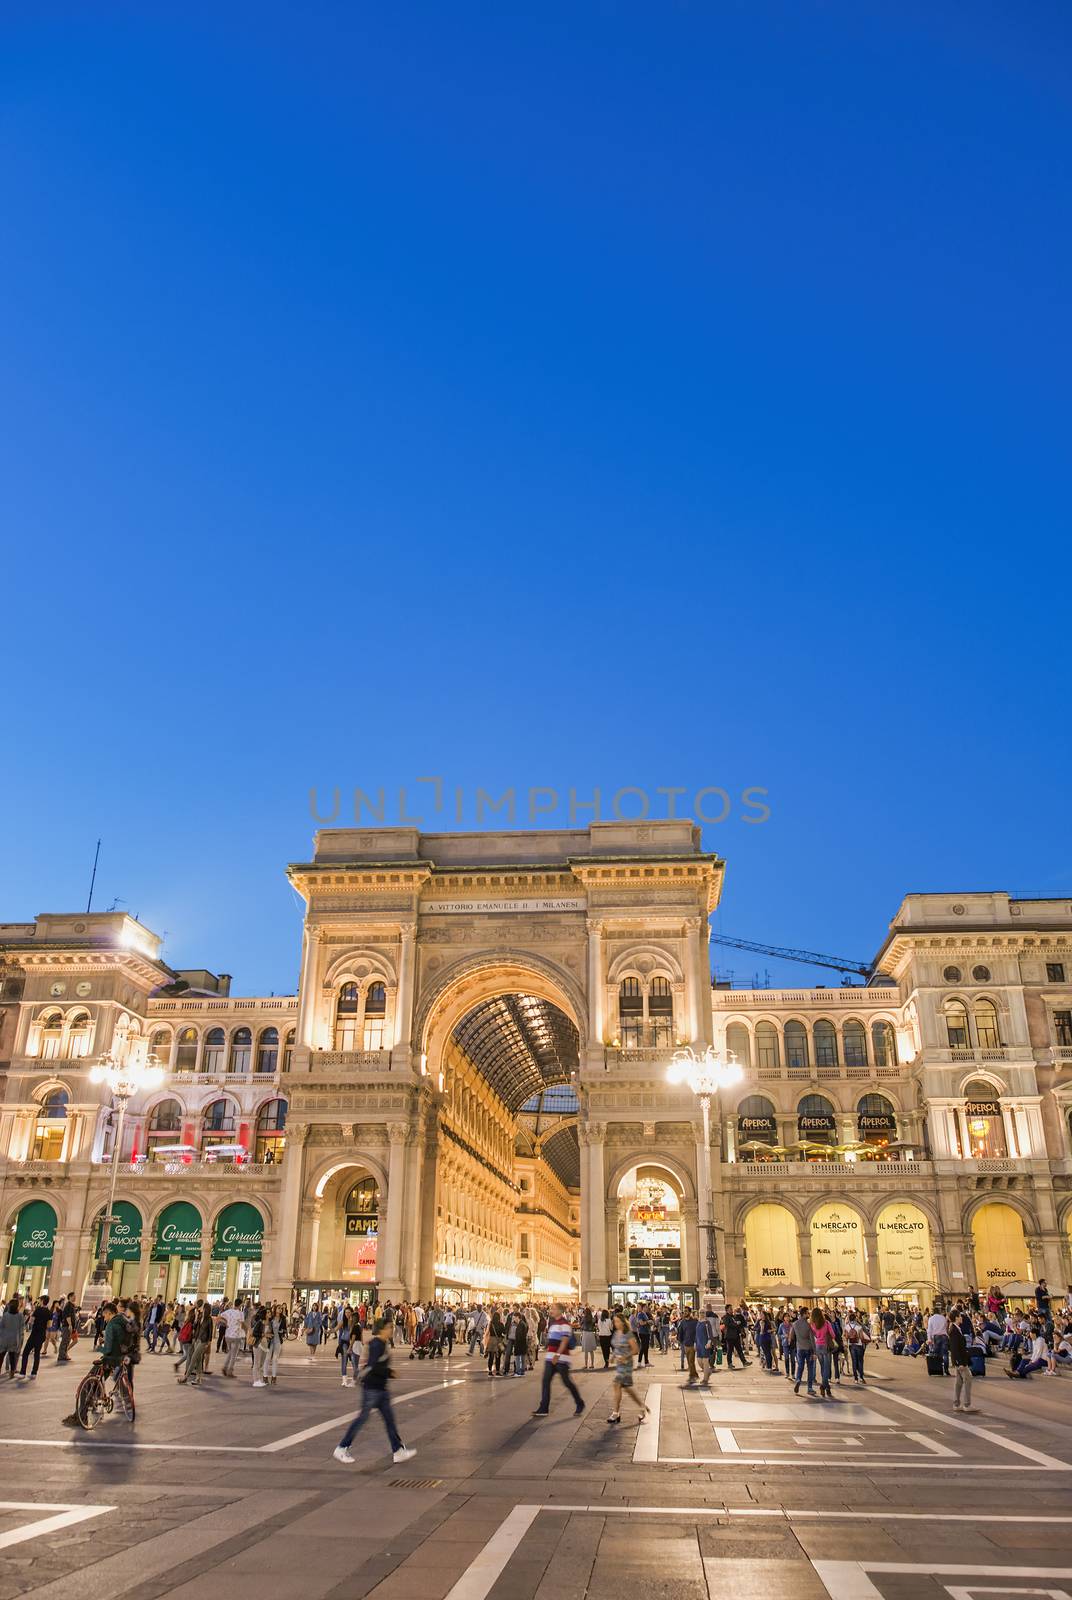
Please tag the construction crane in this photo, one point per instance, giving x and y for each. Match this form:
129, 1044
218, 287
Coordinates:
813, 958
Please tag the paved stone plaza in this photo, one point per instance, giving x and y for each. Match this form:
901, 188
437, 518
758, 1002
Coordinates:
742, 1489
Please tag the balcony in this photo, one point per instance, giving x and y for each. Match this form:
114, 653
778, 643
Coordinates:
146, 1170
40, 1171
376, 1061
850, 1171
201, 1005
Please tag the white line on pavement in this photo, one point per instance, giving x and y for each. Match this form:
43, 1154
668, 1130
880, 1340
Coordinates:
1038, 1456
67, 1516
647, 1439
336, 1422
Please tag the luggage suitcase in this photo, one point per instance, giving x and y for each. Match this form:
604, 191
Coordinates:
934, 1366
977, 1361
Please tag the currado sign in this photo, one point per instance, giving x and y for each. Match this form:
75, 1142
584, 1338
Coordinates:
178, 1232
239, 1233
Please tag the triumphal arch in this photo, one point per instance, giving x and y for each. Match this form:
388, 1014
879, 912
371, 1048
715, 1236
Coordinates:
478, 1091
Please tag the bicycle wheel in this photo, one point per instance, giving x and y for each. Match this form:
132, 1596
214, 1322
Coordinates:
89, 1402
124, 1391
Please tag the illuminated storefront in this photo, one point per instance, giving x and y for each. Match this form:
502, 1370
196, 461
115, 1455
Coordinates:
771, 1253
238, 1244
838, 1253
984, 1122
904, 1248
176, 1252
32, 1245
1001, 1253
124, 1246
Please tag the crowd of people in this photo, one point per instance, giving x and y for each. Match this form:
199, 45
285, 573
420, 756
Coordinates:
818, 1346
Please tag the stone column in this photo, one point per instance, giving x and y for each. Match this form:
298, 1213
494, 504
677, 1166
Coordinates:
389, 1272
594, 1235
595, 982
1012, 1143
308, 989
404, 998
284, 1257
873, 1275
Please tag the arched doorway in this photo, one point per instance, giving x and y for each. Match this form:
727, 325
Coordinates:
905, 1258
176, 1252
651, 1254
772, 1254
345, 1250
1001, 1253
838, 1252
502, 1044
32, 1242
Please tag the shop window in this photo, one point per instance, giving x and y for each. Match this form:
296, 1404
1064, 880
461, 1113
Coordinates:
767, 1054
796, 1046
215, 1047
825, 1045
186, 1050
884, 1044
271, 1136
630, 1013
854, 1043
661, 1012
241, 1048
375, 1017
956, 1025
268, 1050
346, 1008
51, 1124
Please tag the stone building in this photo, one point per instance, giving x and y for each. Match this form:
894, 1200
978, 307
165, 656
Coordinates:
469, 1097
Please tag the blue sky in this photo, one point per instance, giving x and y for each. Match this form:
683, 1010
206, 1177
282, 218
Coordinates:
589, 395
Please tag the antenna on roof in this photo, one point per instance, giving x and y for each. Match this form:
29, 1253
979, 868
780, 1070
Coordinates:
93, 879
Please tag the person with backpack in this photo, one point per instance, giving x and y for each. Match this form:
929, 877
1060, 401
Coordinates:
857, 1338
560, 1341
374, 1397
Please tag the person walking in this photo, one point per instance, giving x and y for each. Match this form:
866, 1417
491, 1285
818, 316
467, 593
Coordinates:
36, 1335
625, 1348
494, 1340
804, 1351
374, 1397
11, 1331
707, 1345
686, 1338
857, 1340
557, 1359
643, 1333
315, 1324
938, 1337
68, 1328
732, 1340
258, 1343
960, 1357
203, 1328
233, 1328
153, 1318
605, 1334
825, 1341
275, 1333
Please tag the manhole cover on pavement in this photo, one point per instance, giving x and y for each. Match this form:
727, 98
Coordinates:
414, 1483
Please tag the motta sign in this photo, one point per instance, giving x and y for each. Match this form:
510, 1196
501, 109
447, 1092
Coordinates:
774, 1272
466, 908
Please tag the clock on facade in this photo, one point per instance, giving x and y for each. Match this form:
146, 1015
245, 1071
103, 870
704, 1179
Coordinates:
83, 988
56, 989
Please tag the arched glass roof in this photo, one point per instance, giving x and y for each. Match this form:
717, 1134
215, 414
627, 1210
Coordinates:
522, 1045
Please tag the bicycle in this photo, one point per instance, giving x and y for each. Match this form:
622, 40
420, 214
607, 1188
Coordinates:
94, 1401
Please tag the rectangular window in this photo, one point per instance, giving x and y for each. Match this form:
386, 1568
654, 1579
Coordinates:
346, 1033
374, 1033
1055, 972
1062, 1027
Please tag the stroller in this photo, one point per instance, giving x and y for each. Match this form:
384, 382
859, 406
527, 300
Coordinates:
425, 1344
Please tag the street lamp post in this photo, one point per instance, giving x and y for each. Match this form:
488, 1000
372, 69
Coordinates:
705, 1075
123, 1079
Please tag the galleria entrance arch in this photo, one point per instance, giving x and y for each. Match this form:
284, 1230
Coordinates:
488, 1019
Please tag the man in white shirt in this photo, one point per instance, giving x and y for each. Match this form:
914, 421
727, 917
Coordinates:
234, 1333
557, 1359
938, 1337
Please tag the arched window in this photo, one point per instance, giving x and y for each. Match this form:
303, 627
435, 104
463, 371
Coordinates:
816, 1122
956, 1025
661, 1012
767, 1052
51, 1036
288, 1050
271, 1138
219, 1125
268, 1050
630, 1014
363, 1199
51, 1119
347, 1005
883, 1044
165, 1120
757, 1123
825, 1044
986, 1025
241, 1048
796, 1046
215, 1046
160, 1047
186, 1050
78, 1036
986, 1126
738, 1043
375, 1017
854, 1041
876, 1121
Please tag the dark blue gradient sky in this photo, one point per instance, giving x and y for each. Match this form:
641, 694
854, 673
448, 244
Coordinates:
586, 395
